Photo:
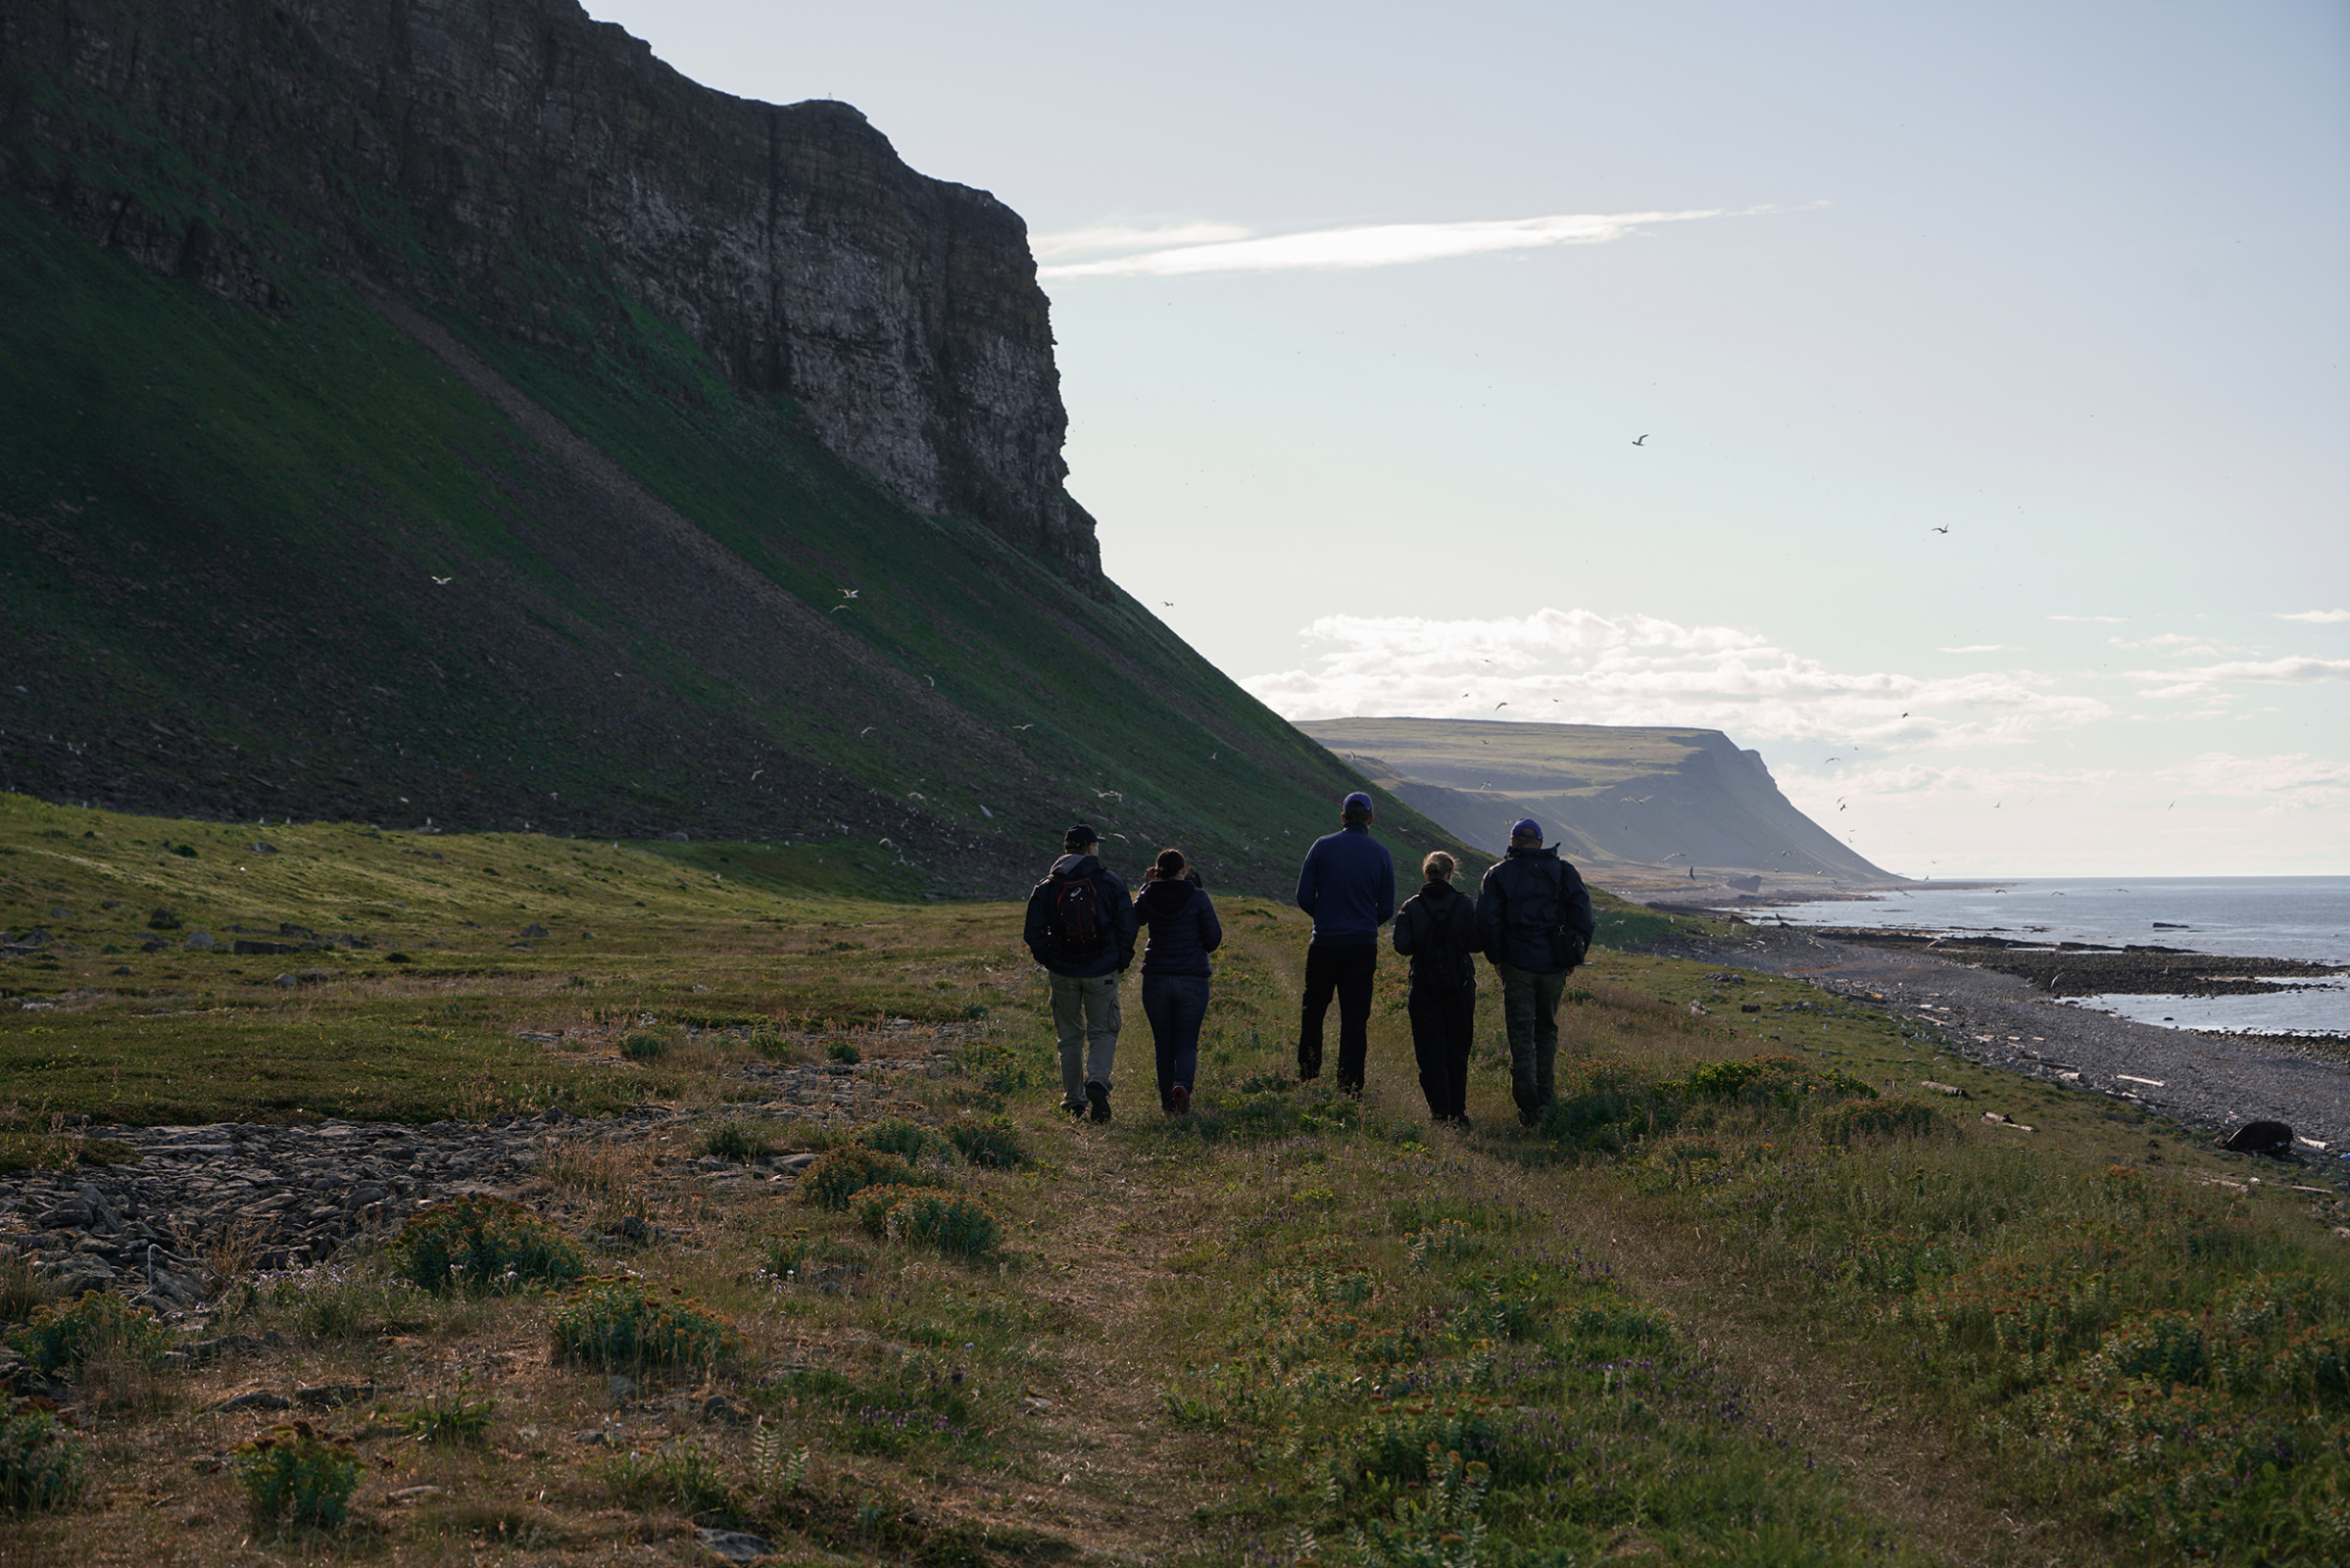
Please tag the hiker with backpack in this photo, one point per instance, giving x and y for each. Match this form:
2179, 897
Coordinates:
1535, 924
1184, 931
1081, 928
1347, 884
1436, 929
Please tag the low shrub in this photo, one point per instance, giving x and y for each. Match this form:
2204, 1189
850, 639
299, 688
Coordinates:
294, 1472
685, 1476
909, 1140
22, 1288
996, 1068
736, 1139
645, 1048
843, 1051
955, 1223
42, 1465
484, 1244
618, 1320
842, 1173
99, 1322
994, 1143
453, 1419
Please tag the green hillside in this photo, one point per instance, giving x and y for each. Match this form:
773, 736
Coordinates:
1638, 807
227, 528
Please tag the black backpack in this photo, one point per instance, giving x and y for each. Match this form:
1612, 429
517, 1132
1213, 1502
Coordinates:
1076, 921
1455, 966
1549, 915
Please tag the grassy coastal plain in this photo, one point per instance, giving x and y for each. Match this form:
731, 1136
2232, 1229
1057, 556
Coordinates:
1751, 1294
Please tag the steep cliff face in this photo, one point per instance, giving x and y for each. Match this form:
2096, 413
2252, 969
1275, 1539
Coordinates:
516, 164
1638, 807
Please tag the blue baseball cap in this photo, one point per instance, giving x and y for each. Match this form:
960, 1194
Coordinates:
1357, 802
1526, 827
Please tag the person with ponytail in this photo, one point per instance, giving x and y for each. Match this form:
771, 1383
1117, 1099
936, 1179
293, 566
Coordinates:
1436, 929
1181, 921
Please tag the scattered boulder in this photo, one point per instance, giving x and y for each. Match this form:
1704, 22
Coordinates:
732, 1544
534, 932
257, 1400
2270, 1138
200, 940
334, 1395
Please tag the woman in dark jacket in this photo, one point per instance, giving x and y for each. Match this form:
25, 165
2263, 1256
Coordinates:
1436, 929
1184, 930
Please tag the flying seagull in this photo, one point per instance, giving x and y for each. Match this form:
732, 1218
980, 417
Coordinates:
443, 581
1642, 442
848, 593
1169, 603
1497, 707
867, 730
1941, 530
1030, 724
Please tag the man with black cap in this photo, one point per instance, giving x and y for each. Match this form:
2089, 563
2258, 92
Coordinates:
1081, 927
1535, 923
1349, 886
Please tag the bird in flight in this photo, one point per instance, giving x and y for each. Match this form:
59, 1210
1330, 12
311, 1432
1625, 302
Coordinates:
443, 581
1642, 442
848, 593
837, 609
1497, 707
1169, 603
1108, 794
1941, 530
867, 730
1030, 724
1831, 759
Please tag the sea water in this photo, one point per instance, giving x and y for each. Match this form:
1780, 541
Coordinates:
2305, 917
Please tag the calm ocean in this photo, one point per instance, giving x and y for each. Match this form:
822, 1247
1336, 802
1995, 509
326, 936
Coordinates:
2247, 916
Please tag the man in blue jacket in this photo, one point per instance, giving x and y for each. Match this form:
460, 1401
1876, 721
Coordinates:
1349, 886
1081, 927
1535, 923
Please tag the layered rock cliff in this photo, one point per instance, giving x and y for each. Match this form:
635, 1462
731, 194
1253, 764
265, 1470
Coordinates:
527, 170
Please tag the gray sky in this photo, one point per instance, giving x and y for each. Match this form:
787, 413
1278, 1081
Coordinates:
2068, 282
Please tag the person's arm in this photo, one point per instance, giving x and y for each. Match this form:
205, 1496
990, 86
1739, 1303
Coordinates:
1489, 916
1308, 880
1123, 921
1387, 888
1211, 929
1407, 934
1033, 932
1580, 916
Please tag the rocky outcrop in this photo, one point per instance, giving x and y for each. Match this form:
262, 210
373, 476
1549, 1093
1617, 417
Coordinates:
522, 166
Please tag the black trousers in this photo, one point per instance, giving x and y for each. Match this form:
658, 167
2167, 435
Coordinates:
1443, 1018
1346, 973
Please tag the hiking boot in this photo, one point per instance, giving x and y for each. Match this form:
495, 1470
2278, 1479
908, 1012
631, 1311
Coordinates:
1074, 1107
1096, 1096
1178, 1101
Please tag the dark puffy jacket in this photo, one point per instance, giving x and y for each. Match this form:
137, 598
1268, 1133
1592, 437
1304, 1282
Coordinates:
1534, 913
1347, 884
1117, 948
1184, 928
1436, 929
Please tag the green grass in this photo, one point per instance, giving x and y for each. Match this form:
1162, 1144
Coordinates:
1740, 1274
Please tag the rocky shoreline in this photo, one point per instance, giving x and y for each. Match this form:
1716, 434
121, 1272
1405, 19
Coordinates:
1995, 1018
2086, 969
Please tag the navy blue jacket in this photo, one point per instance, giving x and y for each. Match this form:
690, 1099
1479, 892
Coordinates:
1527, 895
1115, 954
1347, 884
1184, 929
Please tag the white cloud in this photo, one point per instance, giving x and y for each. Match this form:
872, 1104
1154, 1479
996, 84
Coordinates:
2110, 620
1126, 237
1980, 648
1576, 666
2323, 618
1369, 245
2293, 669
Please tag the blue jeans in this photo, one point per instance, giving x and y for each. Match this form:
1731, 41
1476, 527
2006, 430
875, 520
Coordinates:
1176, 1005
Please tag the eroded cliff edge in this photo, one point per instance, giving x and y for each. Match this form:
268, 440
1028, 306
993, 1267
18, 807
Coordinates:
526, 167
